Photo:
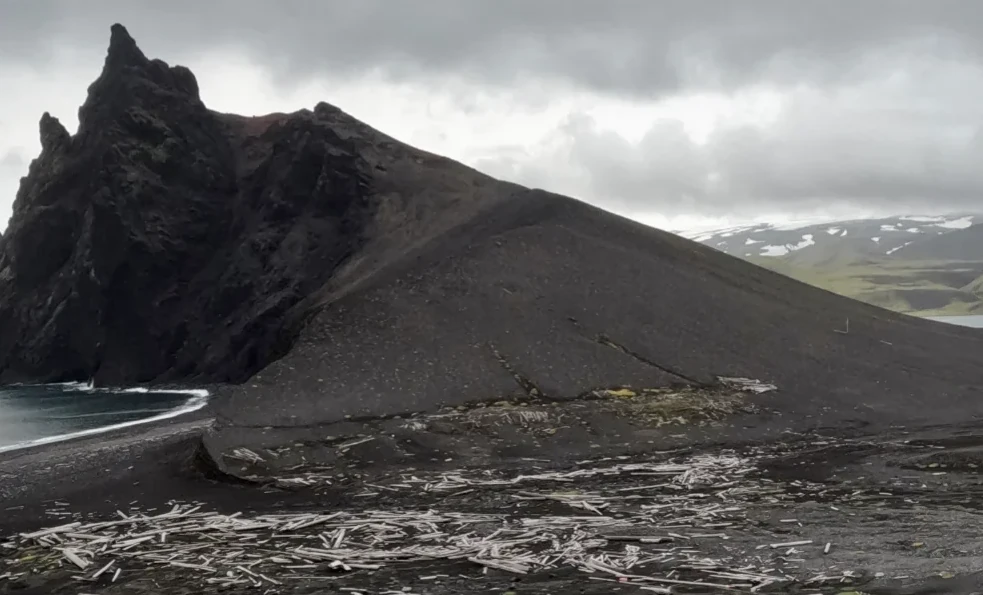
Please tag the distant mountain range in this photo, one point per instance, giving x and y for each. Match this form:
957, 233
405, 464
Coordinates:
919, 264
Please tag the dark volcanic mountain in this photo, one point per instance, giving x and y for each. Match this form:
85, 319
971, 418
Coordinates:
167, 241
347, 274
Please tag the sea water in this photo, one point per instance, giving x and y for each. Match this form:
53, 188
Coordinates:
973, 321
41, 414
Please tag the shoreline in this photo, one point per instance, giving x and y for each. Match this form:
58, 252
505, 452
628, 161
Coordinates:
91, 472
198, 399
130, 433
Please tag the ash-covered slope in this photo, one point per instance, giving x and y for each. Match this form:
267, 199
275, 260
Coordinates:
569, 298
165, 241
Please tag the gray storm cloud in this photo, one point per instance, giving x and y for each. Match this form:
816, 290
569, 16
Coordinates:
621, 46
12, 164
872, 148
882, 104
12, 160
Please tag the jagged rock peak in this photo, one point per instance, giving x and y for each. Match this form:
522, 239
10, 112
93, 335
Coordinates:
123, 50
130, 79
124, 55
53, 133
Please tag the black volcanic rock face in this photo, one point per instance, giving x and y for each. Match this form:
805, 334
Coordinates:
164, 240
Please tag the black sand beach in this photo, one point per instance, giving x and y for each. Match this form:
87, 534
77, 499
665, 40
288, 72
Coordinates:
90, 470
898, 510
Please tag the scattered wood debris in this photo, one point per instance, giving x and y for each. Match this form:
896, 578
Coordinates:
747, 384
655, 524
245, 455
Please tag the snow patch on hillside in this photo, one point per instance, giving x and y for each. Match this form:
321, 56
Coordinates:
896, 248
807, 240
960, 223
923, 218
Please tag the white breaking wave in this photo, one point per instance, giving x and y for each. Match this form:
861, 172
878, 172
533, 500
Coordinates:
90, 387
198, 399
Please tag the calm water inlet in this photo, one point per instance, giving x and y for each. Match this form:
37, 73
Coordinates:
973, 321
32, 415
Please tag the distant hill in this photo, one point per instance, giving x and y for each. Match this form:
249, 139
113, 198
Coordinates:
959, 244
918, 264
819, 242
975, 287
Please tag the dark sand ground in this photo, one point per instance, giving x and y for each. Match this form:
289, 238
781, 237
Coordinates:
900, 508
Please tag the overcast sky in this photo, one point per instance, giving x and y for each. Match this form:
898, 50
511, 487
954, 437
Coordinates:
680, 113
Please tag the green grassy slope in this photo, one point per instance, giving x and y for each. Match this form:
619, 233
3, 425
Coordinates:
975, 287
924, 288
